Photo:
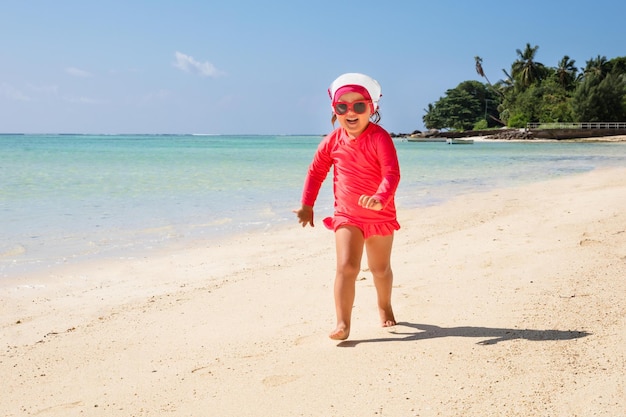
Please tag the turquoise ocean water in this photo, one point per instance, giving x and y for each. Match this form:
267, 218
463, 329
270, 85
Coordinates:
65, 198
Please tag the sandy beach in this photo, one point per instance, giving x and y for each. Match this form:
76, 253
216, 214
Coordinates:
510, 303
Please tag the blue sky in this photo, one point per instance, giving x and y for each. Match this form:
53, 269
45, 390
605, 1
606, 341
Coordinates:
251, 67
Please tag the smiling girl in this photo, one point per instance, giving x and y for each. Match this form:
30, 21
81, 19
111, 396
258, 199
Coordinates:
365, 178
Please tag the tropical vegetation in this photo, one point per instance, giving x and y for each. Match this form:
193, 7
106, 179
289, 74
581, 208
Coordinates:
533, 92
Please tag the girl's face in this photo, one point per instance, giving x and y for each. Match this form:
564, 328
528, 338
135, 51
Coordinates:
354, 123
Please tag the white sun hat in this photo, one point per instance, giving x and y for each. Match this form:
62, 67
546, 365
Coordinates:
356, 82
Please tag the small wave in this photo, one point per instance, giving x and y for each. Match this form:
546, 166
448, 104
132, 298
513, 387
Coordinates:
31, 287
218, 222
13, 252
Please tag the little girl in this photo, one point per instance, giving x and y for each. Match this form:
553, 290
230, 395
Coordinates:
365, 177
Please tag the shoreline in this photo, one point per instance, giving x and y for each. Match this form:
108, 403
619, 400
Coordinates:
512, 135
508, 299
603, 139
599, 139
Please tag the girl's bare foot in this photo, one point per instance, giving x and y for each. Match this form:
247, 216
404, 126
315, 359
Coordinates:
387, 318
340, 333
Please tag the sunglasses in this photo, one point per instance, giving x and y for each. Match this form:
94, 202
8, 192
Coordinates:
359, 107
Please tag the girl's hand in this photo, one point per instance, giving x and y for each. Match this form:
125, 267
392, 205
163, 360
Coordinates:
305, 215
369, 202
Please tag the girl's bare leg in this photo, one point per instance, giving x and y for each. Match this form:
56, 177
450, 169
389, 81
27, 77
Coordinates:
379, 261
349, 246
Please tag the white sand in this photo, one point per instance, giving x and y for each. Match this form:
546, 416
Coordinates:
510, 302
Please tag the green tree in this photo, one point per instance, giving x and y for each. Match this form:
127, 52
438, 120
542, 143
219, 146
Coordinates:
596, 67
618, 65
462, 107
600, 99
566, 73
523, 106
554, 101
542, 102
432, 119
525, 70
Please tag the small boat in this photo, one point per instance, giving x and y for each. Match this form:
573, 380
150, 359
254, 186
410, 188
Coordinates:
459, 141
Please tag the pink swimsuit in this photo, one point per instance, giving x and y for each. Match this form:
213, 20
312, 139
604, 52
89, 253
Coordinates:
367, 165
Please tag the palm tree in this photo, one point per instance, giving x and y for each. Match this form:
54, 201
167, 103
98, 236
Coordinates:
525, 69
566, 72
479, 71
506, 85
479, 68
597, 66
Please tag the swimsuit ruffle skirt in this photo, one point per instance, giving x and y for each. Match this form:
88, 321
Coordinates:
367, 165
368, 229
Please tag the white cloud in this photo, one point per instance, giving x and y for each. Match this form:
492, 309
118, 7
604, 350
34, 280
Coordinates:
12, 93
77, 72
189, 64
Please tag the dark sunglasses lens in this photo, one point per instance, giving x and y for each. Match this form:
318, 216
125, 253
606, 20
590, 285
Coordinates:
360, 107
341, 108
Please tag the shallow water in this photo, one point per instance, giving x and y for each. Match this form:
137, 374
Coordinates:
69, 197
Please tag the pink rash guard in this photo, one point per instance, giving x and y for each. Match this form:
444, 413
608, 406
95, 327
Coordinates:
367, 165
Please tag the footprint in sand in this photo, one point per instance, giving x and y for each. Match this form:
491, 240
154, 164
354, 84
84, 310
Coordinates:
300, 340
276, 380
